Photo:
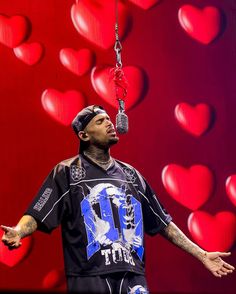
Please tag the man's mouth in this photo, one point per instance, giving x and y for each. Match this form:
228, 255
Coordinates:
111, 131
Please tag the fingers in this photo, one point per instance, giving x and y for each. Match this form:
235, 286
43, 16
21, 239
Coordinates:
224, 253
228, 266
6, 228
216, 274
14, 246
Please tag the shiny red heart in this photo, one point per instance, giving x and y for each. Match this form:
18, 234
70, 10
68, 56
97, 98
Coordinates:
13, 257
231, 188
29, 53
79, 62
13, 30
190, 187
145, 4
213, 233
62, 107
194, 119
201, 24
95, 21
103, 84
54, 279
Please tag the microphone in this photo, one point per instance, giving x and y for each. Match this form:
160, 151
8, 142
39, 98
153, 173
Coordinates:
122, 123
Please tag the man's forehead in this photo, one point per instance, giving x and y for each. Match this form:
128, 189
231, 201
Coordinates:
100, 115
97, 117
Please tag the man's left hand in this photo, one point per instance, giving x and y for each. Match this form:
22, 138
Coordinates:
216, 265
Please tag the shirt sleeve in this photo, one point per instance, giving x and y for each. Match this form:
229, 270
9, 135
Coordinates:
155, 216
50, 205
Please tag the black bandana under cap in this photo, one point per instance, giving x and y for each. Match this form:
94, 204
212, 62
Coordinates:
85, 116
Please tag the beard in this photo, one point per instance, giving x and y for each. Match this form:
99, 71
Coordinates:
107, 144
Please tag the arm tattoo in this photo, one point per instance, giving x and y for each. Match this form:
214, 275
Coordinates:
26, 226
177, 237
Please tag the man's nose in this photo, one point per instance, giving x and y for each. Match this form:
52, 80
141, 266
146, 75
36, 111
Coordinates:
109, 123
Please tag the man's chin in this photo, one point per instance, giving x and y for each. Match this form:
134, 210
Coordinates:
114, 140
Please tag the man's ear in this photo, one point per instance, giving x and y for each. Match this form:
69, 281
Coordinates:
83, 136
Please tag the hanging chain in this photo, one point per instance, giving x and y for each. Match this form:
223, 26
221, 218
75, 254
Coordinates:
117, 72
118, 46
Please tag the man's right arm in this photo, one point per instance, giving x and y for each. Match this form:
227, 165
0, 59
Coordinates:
12, 235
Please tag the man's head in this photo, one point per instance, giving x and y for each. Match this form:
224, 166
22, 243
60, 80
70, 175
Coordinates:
93, 127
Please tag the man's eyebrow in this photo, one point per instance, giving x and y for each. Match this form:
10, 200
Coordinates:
100, 118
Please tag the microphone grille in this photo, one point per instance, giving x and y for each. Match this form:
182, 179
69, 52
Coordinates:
122, 123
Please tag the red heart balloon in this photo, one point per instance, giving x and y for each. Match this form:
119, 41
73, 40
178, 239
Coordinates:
213, 233
54, 279
62, 107
194, 119
79, 62
145, 4
201, 24
95, 21
29, 53
13, 30
103, 84
231, 188
13, 257
190, 187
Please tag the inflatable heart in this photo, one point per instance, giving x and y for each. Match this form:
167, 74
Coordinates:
213, 233
103, 84
190, 187
201, 24
13, 30
79, 62
29, 53
13, 257
62, 107
145, 4
231, 188
95, 21
194, 119
54, 279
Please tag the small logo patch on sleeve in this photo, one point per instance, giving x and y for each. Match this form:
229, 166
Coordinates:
43, 199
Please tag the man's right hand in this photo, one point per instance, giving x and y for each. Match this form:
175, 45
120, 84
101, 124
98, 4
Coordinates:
11, 237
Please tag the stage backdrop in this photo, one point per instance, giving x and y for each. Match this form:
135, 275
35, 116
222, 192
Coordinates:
179, 59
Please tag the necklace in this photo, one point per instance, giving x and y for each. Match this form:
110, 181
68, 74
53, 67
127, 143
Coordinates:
105, 164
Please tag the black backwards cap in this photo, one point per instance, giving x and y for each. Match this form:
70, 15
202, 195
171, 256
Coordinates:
83, 118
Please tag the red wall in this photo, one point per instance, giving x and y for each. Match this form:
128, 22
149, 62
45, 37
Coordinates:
177, 69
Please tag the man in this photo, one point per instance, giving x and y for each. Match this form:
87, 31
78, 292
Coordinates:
104, 207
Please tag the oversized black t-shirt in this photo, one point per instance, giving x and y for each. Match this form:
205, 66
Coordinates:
103, 215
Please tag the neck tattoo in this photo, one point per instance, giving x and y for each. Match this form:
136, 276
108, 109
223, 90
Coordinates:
105, 164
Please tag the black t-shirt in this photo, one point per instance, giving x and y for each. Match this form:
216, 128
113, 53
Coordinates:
103, 215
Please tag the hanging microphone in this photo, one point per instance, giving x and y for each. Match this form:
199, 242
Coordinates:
122, 122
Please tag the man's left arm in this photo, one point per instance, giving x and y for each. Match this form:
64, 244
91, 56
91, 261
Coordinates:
211, 260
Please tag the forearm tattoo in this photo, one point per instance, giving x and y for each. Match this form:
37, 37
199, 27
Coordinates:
26, 226
177, 237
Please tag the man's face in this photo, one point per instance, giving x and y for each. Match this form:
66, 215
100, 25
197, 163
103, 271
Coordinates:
100, 131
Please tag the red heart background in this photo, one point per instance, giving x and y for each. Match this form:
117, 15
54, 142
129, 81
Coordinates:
201, 24
54, 279
231, 188
190, 187
213, 233
145, 4
13, 30
87, 16
194, 119
176, 69
12, 258
103, 84
62, 107
79, 62
30, 53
